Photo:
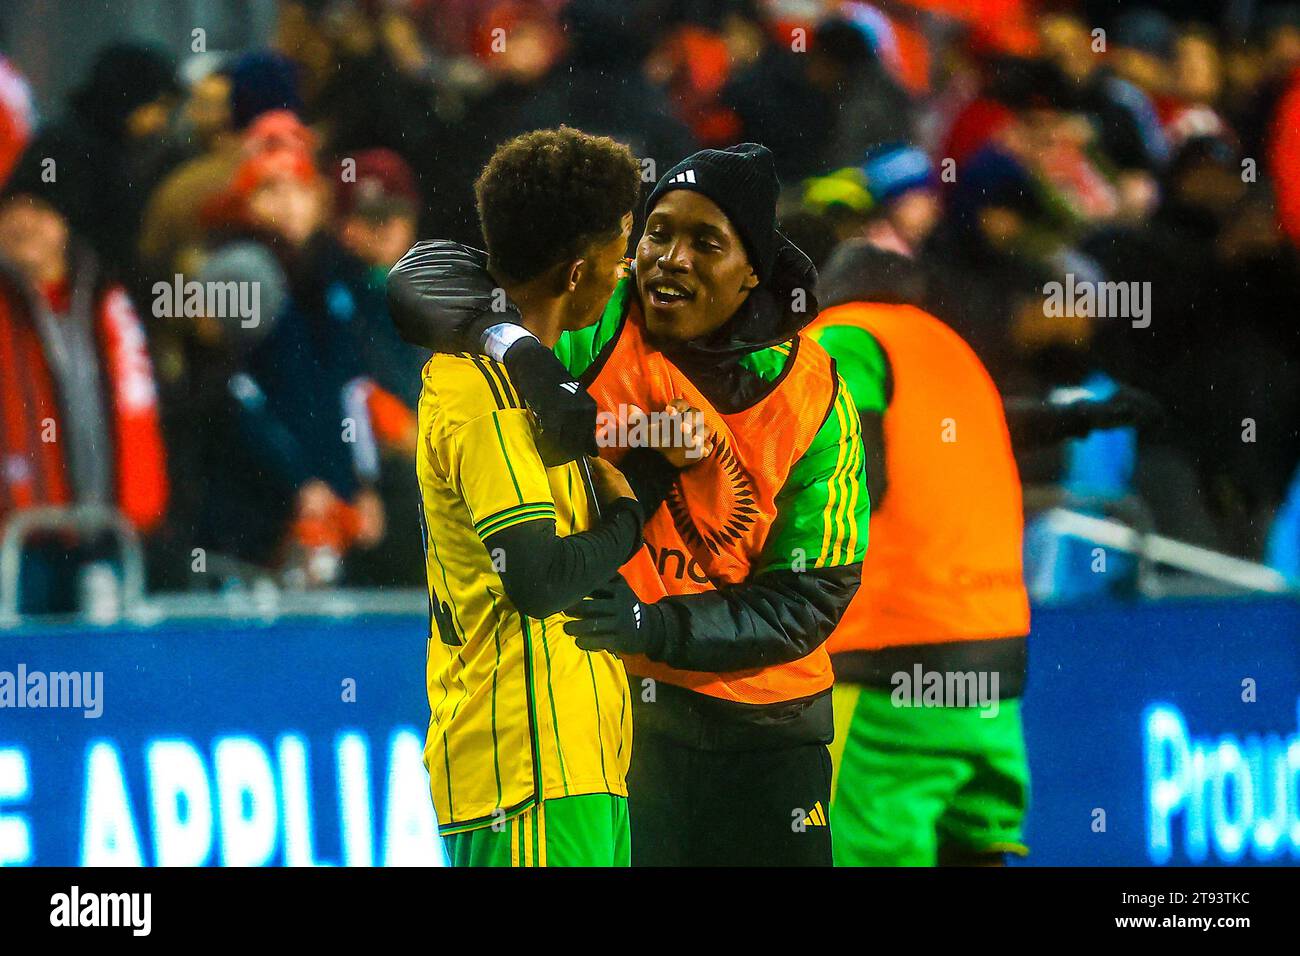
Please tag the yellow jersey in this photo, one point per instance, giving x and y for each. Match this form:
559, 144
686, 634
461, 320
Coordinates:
518, 712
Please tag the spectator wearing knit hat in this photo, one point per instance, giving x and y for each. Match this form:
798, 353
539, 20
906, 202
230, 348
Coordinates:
239, 95
376, 207
291, 454
902, 184
375, 220
105, 151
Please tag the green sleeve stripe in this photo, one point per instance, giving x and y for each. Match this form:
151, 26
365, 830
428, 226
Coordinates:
850, 483
841, 480
832, 503
841, 485
821, 508
844, 486
496, 421
518, 519
859, 489
852, 479
512, 510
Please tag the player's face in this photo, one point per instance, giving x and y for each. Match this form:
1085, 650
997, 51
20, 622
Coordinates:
601, 268
692, 269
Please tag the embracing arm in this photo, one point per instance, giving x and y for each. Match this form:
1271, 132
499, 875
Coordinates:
543, 573
443, 298
492, 463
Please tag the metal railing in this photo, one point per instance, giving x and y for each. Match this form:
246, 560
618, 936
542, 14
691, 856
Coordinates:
81, 521
1153, 549
252, 594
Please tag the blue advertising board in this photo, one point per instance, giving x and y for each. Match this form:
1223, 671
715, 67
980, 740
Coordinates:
1165, 733
1161, 733
297, 743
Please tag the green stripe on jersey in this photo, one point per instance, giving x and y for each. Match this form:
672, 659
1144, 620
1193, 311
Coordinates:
496, 422
823, 508
485, 526
555, 720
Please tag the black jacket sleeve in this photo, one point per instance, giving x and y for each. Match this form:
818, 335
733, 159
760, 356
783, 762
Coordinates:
441, 297
774, 618
1034, 423
543, 573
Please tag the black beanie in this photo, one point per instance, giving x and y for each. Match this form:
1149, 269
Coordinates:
124, 77
742, 181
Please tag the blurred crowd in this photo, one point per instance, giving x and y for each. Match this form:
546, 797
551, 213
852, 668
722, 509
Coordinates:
194, 248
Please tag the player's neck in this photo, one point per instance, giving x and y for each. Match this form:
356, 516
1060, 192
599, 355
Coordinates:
543, 314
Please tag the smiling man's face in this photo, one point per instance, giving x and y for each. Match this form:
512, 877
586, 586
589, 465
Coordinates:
692, 269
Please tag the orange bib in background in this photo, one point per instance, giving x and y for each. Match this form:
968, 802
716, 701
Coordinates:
716, 520
944, 558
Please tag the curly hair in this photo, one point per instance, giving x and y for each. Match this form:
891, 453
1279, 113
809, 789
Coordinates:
546, 196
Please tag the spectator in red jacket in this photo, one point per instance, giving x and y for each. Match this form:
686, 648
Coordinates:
77, 397
1284, 159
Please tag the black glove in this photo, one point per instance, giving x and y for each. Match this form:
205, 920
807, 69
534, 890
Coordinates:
614, 619
566, 414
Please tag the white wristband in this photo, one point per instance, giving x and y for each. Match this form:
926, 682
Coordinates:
499, 338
